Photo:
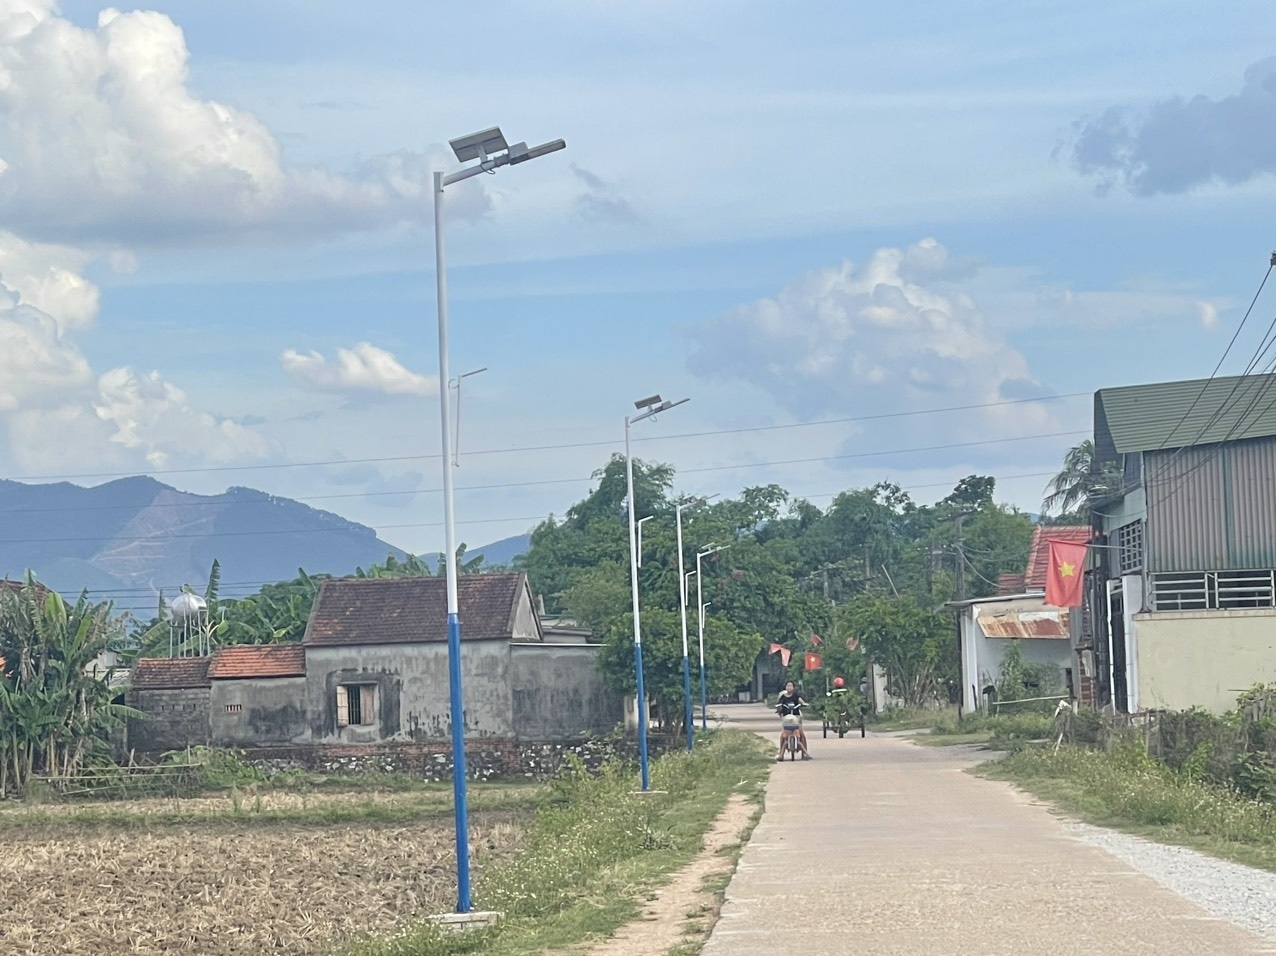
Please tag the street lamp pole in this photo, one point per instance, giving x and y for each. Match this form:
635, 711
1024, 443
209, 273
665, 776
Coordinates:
688, 716
647, 408
704, 695
683, 575
480, 146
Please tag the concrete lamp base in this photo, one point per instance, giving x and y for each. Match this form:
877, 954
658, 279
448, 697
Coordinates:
466, 922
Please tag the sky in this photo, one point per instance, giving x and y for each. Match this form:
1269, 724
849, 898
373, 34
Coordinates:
869, 242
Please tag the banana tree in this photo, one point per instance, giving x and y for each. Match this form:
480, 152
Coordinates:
56, 700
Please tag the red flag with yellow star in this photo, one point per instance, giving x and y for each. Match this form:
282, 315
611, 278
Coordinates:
1063, 573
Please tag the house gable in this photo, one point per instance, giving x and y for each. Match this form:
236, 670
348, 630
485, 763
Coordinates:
365, 611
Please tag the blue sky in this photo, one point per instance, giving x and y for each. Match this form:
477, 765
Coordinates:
217, 250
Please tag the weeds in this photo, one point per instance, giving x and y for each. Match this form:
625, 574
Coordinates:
1128, 788
594, 848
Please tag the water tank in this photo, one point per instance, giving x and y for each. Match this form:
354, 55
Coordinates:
187, 606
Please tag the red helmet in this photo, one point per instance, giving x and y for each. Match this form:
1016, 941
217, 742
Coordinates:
839, 682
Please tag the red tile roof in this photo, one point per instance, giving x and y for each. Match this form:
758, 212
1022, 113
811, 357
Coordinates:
161, 673
1010, 583
410, 610
1039, 554
235, 661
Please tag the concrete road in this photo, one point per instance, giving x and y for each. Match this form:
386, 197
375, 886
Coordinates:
882, 846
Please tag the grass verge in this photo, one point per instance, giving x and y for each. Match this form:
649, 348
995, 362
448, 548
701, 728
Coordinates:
1131, 791
251, 807
596, 850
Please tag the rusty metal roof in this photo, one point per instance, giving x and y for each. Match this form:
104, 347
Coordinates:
1029, 619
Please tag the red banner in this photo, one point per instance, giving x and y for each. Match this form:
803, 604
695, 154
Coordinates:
1064, 574
784, 652
817, 640
814, 662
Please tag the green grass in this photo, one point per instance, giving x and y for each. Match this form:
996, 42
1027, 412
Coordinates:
982, 737
909, 718
247, 807
1128, 790
597, 850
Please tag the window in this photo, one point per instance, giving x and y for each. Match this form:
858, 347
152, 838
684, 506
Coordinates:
356, 705
1213, 590
234, 708
1129, 539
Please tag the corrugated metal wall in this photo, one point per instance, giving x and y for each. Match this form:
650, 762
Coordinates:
1212, 508
1253, 483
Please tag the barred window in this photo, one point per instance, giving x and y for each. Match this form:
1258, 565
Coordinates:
1129, 539
1213, 590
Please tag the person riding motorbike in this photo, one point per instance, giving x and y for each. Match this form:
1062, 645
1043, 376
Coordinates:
789, 705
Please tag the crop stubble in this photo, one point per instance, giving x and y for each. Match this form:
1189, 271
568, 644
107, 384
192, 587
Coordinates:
222, 890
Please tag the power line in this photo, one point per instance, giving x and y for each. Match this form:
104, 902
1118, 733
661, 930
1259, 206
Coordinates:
1235, 335
554, 447
256, 585
273, 499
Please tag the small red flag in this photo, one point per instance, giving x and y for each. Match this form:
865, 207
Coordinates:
816, 640
1064, 573
814, 662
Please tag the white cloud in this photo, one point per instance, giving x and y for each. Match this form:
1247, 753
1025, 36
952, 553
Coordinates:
1208, 314
364, 368
892, 336
154, 417
37, 366
102, 139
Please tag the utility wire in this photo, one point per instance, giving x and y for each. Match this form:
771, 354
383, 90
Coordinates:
273, 499
554, 447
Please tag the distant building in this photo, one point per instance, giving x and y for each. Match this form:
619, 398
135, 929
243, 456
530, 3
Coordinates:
372, 669
1018, 613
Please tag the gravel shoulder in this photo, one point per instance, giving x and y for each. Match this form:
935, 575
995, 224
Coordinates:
1241, 895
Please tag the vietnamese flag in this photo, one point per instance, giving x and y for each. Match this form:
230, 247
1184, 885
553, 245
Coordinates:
816, 640
814, 662
1063, 573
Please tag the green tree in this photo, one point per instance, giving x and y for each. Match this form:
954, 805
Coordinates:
729, 657
913, 644
56, 699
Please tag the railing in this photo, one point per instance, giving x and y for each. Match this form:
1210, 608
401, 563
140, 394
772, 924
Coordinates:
1213, 590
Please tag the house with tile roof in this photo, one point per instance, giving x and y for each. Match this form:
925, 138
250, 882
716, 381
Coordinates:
1180, 600
1017, 614
372, 669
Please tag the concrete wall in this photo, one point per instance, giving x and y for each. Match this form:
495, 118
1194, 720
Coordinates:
526, 623
558, 692
1203, 658
412, 690
175, 719
270, 711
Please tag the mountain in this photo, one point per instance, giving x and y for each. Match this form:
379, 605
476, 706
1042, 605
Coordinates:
501, 553
128, 538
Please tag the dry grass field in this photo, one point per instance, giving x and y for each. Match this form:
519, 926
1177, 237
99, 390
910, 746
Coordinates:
229, 886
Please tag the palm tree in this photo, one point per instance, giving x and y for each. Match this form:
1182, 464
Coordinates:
1079, 481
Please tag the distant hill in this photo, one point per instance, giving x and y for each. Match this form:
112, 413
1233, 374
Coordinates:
501, 553
129, 538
